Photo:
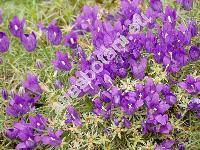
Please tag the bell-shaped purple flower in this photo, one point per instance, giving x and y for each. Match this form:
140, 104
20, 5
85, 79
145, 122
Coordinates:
165, 145
4, 42
52, 139
191, 85
138, 68
73, 116
58, 84
19, 105
39, 64
16, 26
62, 62
29, 41
156, 5
12, 133
4, 94
194, 105
193, 28
54, 34
32, 84
38, 122
194, 53
71, 40
187, 4
126, 122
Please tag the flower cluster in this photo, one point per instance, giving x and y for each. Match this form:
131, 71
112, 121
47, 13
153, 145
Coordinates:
156, 98
194, 106
191, 85
33, 132
25, 101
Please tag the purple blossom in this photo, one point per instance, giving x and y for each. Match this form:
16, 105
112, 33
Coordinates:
194, 53
73, 116
4, 94
126, 122
12, 133
194, 105
32, 84
86, 19
20, 105
71, 40
58, 84
191, 84
16, 26
39, 64
38, 122
138, 68
187, 4
54, 34
156, 5
62, 62
170, 17
130, 103
165, 145
100, 110
53, 138
4, 42
25, 134
29, 41
193, 28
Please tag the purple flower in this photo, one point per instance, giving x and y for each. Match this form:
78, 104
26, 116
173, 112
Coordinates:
4, 94
194, 53
170, 17
193, 28
16, 26
165, 145
194, 105
187, 4
52, 138
12, 133
62, 62
26, 136
116, 121
19, 105
191, 85
155, 105
73, 116
101, 110
29, 41
126, 122
58, 84
181, 147
38, 122
86, 19
4, 42
71, 40
105, 96
130, 103
156, 5
32, 84
54, 34
39, 64
138, 68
